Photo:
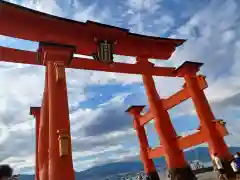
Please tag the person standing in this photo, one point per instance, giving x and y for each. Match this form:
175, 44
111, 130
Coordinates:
219, 167
237, 158
15, 177
237, 165
6, 172
234, 166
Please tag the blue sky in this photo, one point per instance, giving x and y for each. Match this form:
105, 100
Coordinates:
101, 131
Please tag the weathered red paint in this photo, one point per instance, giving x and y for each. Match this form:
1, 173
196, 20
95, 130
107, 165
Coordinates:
44, 134
60, 168
53, 29
29, 57
80, 38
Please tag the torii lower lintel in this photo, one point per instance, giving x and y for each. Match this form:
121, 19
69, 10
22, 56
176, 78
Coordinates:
29, 57
189, 141
17, 56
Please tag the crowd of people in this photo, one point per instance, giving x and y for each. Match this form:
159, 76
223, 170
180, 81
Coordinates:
218, 165
6, 172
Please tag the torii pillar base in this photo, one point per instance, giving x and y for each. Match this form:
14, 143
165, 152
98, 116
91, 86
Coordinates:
153, 176
181, 173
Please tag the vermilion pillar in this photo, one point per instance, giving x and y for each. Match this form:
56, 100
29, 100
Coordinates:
35, 111
56, 57
149, 166
205, 114
173, 154
44, 134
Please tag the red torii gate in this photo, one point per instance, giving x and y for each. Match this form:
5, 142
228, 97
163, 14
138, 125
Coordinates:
167, 135
59, 39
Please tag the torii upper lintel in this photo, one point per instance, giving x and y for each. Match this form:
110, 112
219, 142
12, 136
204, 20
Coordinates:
40, 27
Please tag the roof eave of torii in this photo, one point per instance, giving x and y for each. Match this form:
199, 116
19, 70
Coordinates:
24, 23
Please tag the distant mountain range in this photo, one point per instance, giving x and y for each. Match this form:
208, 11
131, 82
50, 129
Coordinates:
110, 169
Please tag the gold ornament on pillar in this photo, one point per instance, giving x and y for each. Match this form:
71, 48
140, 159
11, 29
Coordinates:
59, 68
63, 139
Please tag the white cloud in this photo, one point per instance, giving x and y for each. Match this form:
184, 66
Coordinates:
215, 44
164, 23
4, 133
91, 12
214, 41
139, 16
96, 151
234, 134
21, 163
144, 5
97, 155
2, 38
47, 6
